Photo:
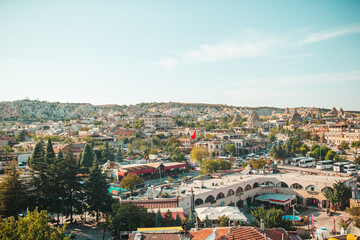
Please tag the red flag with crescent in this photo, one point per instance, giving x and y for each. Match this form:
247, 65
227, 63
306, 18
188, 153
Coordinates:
194, 135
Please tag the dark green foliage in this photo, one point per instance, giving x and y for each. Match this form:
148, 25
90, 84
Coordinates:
70, 183
158, 219
33, 226
129, 217
49, 154
98, 198
224, 221
272, 218
168, 219
108, 153
339, 195
37, 161
87, 157
211, 166
13, 192
191, 221
177, 220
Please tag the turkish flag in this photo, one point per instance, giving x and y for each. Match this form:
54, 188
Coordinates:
194, 135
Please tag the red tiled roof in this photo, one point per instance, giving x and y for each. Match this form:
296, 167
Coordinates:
245, 233
274, 234
6, 138
205, 233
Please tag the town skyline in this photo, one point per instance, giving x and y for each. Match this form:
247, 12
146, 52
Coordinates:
257, 54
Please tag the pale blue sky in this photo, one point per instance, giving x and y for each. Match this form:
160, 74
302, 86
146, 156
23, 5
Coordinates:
244, 53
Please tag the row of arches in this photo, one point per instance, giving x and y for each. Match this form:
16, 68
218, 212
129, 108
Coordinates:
248, 187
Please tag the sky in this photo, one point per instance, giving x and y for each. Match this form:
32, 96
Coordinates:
240, 53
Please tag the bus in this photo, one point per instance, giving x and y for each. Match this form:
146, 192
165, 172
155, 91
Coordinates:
339, 166
295, 161
324, 165
307, 162
350, 168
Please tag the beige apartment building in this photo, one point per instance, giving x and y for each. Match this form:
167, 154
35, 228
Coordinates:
342, 132
154, 121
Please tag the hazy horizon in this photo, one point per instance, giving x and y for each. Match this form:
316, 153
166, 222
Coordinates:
240, 53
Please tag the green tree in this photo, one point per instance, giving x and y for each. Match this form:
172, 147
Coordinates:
344, 145
272, 218
130, 181
158, 219
190, 221
330, 155
230, 148
272, 137
32, 227
339, 195
257, 164
37, 160
98, 198
129, 217
357, 160
224, 221
168, 219
108, 153
355, 144
49, 154
198, 154
87, 158
13, 192
177, 220
71, 184
304, 149
210, 166
178, 156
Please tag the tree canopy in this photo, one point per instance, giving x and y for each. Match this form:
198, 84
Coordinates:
130, 181
34, 226
211, 166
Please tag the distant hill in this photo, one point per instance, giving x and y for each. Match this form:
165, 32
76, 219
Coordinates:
34, 110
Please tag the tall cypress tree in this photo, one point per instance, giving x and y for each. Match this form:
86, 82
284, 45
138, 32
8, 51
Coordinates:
49, 154
13, 192
87, 157
98, 198
158, 219
70, 183
37, 161
56, 187
177, 220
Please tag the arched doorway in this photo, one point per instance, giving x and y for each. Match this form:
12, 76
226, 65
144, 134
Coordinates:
209, 199
198, 202
230, 193
256, 185
220, 196
282, 185
296, 186
239, 190
247, 187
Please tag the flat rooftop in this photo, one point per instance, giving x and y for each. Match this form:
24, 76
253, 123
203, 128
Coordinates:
236, 178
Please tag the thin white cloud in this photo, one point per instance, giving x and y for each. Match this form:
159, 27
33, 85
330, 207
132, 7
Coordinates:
224, 51
254, 44
325, 35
